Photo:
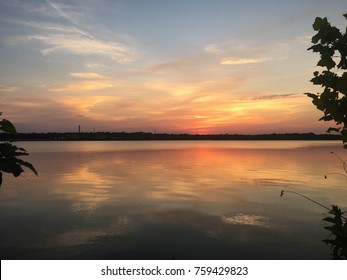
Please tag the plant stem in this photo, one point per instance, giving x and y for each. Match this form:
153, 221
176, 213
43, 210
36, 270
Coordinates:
299, 194
321, 205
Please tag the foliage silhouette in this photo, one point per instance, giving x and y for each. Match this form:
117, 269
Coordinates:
331, 44
9, 153
338, 230
338, 227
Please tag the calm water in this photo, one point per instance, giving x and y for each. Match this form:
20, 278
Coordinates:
175, 199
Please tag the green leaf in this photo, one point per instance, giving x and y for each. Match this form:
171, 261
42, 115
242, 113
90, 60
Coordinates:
7, 126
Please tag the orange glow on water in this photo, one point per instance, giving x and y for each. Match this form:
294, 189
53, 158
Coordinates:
184, 170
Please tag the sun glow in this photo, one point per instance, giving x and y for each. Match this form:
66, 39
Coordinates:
88, 67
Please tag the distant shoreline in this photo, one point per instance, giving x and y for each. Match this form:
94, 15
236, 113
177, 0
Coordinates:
147, 136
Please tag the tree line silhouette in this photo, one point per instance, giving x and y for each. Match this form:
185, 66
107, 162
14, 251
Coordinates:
147, 136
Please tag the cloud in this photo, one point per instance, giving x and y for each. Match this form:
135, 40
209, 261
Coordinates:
212, 48
78, 45
244, 219
59, 9
84, 86
180, 64
250, 48
53, 27
83, 105
238, 61
87, 75
193, 112
5, 88
70, 36
95, 65
40, 114
274, 96
247, 52
85, 46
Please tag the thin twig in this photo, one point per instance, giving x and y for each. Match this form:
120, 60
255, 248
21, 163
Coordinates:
299, 194
335, 173
342, 161
321, 205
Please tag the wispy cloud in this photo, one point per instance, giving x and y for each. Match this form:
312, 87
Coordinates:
72, 37
177, 64
5, 88
44, 113
87, 75
66, 54
242, 52
59, 9
84, 86
274, 96
212, 48
52, 27
250, 48
95, 65
79, 45
237, 61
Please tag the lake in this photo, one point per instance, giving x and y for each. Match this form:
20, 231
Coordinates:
171, 200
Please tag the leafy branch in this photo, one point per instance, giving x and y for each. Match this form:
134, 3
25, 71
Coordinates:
9, 153
328, 42
338, 228
344, 165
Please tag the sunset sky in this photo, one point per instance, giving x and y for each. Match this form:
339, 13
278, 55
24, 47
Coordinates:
182, 66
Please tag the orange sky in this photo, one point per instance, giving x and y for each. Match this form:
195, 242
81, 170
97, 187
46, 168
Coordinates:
196, 67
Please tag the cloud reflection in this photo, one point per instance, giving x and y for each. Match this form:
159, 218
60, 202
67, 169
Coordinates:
244, 219
116, 199
181, 176
79, 236
88, 187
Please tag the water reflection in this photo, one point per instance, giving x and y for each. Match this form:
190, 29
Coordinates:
189, 175
252, 220
86, 185
80, 236
110, 201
